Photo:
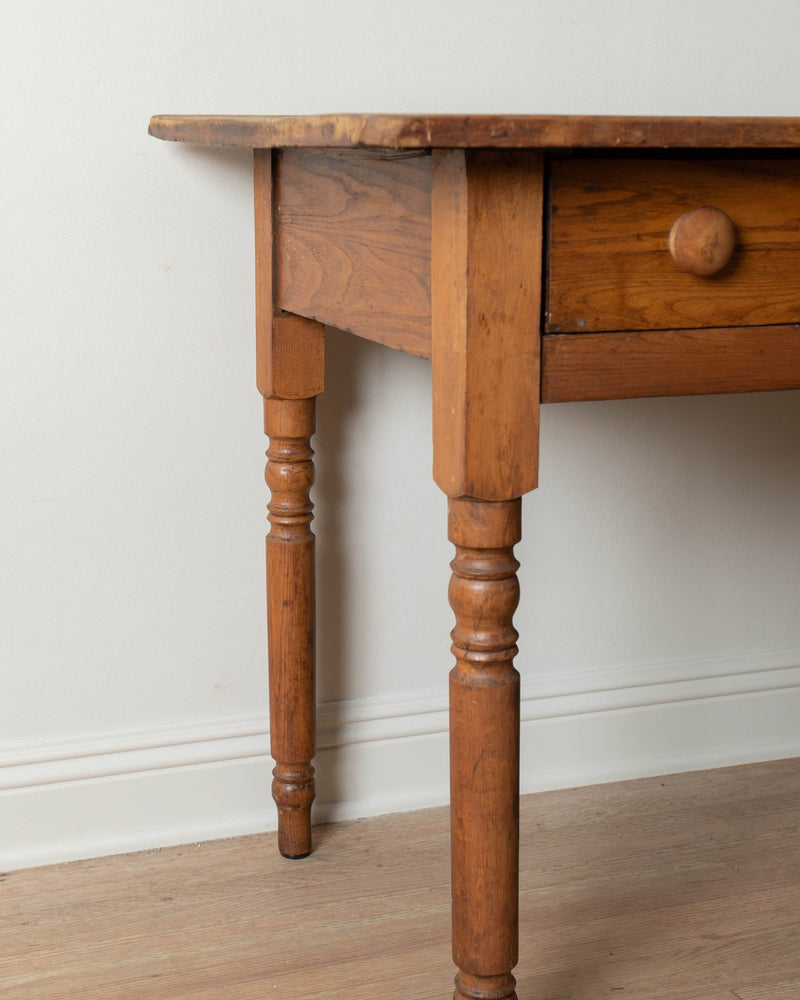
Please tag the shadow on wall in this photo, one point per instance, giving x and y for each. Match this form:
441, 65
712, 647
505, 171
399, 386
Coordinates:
337, 419
376, 510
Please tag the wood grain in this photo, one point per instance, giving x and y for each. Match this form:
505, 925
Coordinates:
290, 350
354, 242
702, 241
610, 267
486, 290
669, 363
479, 131
291, 617
290, 373
484, 747
686, 886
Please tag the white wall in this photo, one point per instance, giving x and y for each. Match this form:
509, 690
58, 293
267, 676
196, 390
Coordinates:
660, 569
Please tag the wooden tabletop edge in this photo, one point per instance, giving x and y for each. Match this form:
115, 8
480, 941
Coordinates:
493, 131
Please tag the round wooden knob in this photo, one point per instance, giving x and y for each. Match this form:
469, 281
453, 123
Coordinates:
702, 241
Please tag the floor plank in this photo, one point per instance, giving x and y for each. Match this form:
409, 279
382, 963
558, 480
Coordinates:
680, 887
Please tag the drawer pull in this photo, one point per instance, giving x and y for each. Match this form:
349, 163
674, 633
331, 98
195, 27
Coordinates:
702, 241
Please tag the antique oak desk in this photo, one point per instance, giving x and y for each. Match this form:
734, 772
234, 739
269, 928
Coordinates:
533, 259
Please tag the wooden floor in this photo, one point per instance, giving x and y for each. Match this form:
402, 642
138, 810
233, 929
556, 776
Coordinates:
681, 888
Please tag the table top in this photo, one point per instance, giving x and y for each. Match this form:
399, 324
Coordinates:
484, 131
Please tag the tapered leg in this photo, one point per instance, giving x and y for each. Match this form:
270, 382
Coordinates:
484, 747
290, 617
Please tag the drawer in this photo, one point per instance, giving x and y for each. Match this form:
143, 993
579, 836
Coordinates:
610, 267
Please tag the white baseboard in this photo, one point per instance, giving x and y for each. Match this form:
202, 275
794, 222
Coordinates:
134, 791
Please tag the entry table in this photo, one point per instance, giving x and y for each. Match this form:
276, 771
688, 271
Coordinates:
533, 259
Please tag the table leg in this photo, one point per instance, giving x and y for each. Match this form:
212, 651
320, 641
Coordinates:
484, 747
290, 617
290, 373
486, 266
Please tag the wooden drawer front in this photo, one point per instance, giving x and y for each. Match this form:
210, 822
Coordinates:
610, 266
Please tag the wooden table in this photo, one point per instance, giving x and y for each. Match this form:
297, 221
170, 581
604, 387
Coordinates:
533, 259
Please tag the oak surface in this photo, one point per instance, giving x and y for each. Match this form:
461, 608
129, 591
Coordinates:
669, 363
484, 131
291, 619
680, 887
354, 242
290, 350
610, 267
486, 252
484, 747
290, 373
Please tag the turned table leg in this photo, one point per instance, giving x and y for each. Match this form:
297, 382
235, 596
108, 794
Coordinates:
290, 617
484, 747
486, 265
290, 373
